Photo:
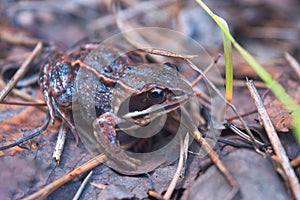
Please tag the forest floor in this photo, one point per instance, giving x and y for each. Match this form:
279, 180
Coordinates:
269, 30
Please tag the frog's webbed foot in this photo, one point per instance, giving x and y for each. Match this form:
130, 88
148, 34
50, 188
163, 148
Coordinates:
104, 131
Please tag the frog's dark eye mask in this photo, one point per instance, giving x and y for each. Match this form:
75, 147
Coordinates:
154, 101
147, 99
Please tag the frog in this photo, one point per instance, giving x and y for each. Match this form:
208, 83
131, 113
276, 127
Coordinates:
120, 87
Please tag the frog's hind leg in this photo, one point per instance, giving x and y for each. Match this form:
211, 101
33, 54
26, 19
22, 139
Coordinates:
44, 82
104, 131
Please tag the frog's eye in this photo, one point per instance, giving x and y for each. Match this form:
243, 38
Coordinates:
156, 94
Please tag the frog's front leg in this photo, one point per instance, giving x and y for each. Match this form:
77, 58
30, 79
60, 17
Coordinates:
104, 131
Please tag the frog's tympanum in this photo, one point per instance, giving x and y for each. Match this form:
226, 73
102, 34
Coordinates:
112, 88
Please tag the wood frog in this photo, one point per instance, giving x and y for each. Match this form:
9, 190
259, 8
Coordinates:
110, 88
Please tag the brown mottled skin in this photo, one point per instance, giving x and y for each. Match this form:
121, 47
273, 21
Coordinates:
149, 89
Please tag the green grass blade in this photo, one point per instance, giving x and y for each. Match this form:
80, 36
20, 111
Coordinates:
275, 87
228, 61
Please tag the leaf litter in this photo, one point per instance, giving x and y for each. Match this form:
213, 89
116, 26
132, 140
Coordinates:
36, 154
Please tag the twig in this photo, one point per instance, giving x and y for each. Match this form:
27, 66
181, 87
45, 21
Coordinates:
242, 115
201, 100
82, 186
293, 63
168, 53
23, 69
16, 39
23, 103
237, 82
154, 194
275, 141
213, 155
185, 153
295, 162
99, 185
21, 94
32, 101
240, 133
199, 78
179, 169
241, 83
47, 190
61, 139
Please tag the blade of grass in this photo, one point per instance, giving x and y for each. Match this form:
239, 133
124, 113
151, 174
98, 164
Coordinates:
228, 61
275, 87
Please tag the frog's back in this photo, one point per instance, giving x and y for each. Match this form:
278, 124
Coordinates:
108, 61
95, 95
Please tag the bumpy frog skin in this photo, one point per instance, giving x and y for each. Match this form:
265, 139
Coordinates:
113, 88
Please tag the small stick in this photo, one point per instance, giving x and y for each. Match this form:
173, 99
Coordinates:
180, 167
293, 63
162, 52
154, 194
295, 162
199, 78
241, 133
242, 115
202, 94
23, 103
213, 155
201, 101
216, 159
82, 186
60, 143
23, 69
185, 153
275, 141
20, 40
20, 94
47, 190
99, 185
241, 83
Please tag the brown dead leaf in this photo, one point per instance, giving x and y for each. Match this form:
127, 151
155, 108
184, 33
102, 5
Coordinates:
280, 117
17, 121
